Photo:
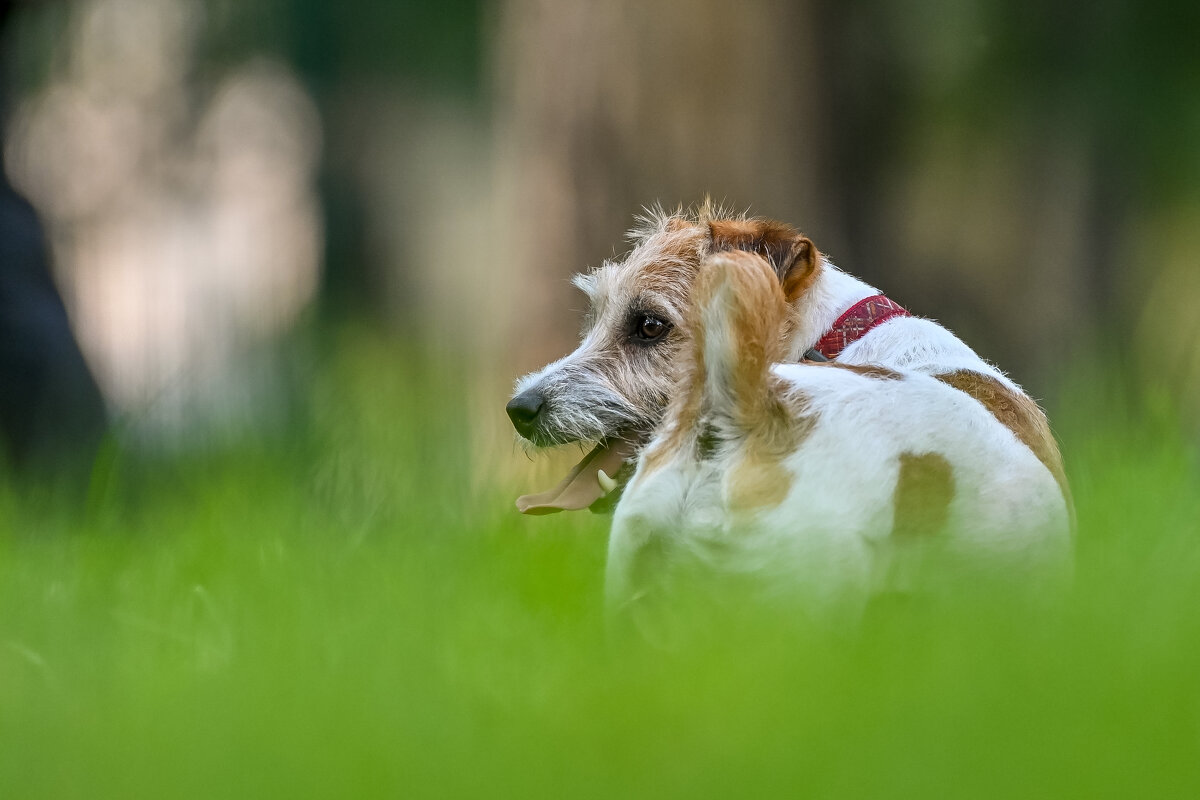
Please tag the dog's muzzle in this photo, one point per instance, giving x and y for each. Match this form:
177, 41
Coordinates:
524, 410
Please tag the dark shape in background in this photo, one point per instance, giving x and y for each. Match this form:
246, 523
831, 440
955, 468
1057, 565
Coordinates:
51, 413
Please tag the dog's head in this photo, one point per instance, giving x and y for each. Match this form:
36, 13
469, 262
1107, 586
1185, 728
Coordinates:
614, 387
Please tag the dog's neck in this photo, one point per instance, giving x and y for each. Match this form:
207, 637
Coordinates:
814, 312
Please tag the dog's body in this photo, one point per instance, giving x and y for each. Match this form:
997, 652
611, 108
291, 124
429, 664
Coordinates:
615, 388
837, 482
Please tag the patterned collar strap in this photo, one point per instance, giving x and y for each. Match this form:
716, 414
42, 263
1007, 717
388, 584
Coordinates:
854, 324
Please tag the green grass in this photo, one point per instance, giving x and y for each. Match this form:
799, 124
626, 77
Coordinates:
342, 611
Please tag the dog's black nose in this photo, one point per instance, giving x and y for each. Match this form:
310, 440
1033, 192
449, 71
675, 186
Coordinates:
523, 410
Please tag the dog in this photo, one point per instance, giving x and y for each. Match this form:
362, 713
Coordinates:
836, 481
615, 387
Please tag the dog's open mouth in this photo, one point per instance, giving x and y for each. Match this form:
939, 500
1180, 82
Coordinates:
590, 481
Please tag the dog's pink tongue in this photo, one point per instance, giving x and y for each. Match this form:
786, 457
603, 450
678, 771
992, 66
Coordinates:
581, 487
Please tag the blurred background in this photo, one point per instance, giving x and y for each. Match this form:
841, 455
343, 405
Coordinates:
268, 270
225, 187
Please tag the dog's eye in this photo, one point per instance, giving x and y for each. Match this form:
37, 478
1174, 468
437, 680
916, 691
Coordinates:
650, 328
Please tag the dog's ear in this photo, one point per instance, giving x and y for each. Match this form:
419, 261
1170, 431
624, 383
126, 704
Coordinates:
792, 256
800, 268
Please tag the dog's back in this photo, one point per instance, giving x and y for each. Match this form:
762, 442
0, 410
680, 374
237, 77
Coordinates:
835, 480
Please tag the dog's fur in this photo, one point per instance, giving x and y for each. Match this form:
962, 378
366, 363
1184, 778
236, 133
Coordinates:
616, 387
837, 481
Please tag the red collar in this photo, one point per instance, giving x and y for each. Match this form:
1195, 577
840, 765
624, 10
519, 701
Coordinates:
855, 323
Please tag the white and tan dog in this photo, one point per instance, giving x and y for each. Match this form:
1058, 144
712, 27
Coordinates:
614, 388
834, 481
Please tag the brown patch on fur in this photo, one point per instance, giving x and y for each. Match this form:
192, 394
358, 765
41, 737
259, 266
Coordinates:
793, 257
708, 228
674, 262
676, 223
1018, 413
769, 423
803, 270
875, 371
682, 419
768, 426
760, 480
682, 425
797, 403
924, 490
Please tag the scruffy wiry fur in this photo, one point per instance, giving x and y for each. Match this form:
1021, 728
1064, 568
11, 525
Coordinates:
829, 482
611, 386
617, 387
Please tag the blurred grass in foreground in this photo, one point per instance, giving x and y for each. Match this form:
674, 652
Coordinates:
338, 613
